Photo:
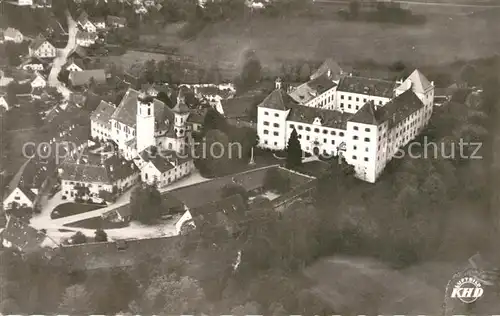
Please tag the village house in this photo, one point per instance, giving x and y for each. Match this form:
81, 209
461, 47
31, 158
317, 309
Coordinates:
3, 101
318, 93
164, 168
75, 65
116, 21
113, 175
42, 48
33, 64
370, 119
85, 24
331, 68
85, 39
39, 82
78, 52
81, 78
26, 239
99, 22
141, 9
13, 35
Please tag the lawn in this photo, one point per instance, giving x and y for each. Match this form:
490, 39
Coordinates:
69, 209
96, 223
445, 38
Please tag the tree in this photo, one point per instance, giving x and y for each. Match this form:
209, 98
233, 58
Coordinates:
100, 236
79, 238
233, 189
107, 196
76, 300
469, 75
162, 96
251, 70
294, 151
214, 120
146, 204
212, 156
354, 8
304, 72
276, 181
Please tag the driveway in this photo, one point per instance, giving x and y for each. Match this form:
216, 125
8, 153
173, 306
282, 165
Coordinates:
61, 58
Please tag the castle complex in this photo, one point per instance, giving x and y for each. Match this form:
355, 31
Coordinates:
364, 120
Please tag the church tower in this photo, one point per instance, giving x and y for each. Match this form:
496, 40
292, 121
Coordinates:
181, 113
145, 125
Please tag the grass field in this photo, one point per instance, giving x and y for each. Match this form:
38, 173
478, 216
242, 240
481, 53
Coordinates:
446, 37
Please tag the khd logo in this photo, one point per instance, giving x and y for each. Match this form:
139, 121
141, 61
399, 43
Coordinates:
468, 290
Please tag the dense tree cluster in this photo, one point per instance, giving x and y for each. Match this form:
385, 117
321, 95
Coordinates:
146, 204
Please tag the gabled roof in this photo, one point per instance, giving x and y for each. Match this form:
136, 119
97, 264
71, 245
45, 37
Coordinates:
329, 118
367, 86
83, 18
126, 112
278, 100
417, 81
80, 78
111, 170
78, 51
25, 237
11, 32
394, 111
37, 42
165, 160
223, 212
28, 193
103, 112
311, 89
328, 65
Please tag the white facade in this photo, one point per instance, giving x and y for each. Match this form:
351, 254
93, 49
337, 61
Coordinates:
145, 125
68, 187
3, 103
13, 35
367, 144
24, 2
86, 40
185, 218
100, 25
271, 128
38, 82
17, 197
33, 67
89, 27
150, 174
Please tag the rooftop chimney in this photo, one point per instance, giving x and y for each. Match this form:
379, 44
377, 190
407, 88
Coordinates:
277, 83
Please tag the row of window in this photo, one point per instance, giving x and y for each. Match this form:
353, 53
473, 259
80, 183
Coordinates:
316, 130
356, 158
355, 137
275, 114
274, 125
266, 132
357, 129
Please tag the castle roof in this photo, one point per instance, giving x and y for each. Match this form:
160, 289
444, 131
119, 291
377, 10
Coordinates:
180, 107
329, 118
394, 111
328, 65
311, 89
367, 86
278, 100
417, 81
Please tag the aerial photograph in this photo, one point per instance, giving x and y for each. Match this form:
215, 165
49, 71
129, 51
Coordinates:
250, 157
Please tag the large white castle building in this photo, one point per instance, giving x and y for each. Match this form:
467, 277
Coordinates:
363, 119
155, 137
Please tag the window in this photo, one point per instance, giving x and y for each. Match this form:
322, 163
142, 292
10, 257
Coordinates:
341, 134
354, 157
324, 140
266, 132
276, 115
354, 147
367, 139
275, 144
342, 97
366, 159
349, 106
356, 128
265, 142
300, 127
316, 130
349, 98
355, 137
291, 126
380, 102
357, 107
357, 99
325, 131
367, 129
266, 123
300, 136
266, 113
333, 141
364, 100
275, 133
276, 125
333, 133
342, 105
307, 137
17, 198
366, 149
308, 129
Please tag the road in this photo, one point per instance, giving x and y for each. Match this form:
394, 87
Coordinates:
62, 55
424, 3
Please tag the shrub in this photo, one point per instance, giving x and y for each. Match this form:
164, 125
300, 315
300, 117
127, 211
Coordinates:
64, 197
